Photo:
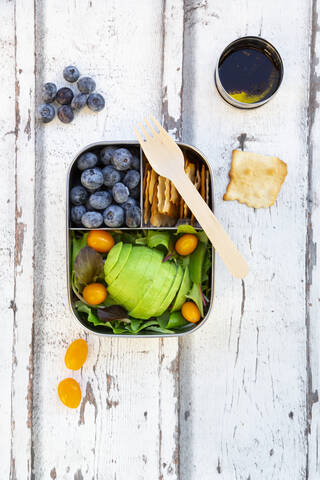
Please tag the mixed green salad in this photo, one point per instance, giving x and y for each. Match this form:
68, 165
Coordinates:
141, 281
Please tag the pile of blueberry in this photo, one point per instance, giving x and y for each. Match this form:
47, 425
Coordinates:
110, 189
69, 103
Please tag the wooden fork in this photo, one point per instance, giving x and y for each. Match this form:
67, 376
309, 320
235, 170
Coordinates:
167, 160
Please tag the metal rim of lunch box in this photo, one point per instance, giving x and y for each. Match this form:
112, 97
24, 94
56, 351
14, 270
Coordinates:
224, 94
68, 229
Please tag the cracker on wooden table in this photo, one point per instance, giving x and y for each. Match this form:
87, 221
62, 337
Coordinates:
255, 179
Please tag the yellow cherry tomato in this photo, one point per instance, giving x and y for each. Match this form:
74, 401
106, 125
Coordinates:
94, 293
76, 354
190, 312
186, 244
100, 241
69, 392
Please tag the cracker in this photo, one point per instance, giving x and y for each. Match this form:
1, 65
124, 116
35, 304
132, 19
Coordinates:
203, 181
167, 203
146, 203
153, 180
161, 193
255, 179
174, 195
207, 186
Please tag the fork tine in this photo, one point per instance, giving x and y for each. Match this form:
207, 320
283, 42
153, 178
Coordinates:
140, 139
144, 131
151, 128
161, 129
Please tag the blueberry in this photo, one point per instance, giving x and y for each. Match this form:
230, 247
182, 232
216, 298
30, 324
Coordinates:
106, 154
78, 195
49, 92
135, 192
76, 213
64, 96
71, 74
111, 176
79, 101
113, 216
65, 114
86, 85
46, 112
92, 178
131, 179
96, 102
133, 217
122, 159
120, 192
92, 219
100, 200
87, 160
131, 202
88, 207
135, 163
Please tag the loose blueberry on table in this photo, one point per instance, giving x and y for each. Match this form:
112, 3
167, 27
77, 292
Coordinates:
96, 102
46, 112
71, 74
86, 85
64, 96
79, 101
65, 114
49, 92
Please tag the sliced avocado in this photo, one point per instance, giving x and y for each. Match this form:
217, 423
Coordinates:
130, 285
154, 294
122, 260
183, 290
112, 258
173, 290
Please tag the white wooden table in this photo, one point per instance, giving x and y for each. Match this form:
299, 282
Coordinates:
236, 400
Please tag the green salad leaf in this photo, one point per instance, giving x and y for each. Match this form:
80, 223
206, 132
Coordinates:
156, 238
88, 266
196, 262
196, 296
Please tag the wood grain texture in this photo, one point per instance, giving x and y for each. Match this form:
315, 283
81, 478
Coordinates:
127, 426
7, 222
22, 304
251, 409
238, 399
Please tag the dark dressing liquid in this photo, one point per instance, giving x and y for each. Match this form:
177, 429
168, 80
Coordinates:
249, 74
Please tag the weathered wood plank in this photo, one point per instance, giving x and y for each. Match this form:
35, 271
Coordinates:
128, 420
24, 164
169, 352
312, 255
243, 412
7, 222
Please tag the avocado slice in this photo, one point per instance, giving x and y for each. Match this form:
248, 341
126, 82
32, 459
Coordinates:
130, 285
154, 294
172, 292
183, 290
112, 258
122, 260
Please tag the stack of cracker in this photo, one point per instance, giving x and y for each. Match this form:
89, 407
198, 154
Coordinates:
163, 206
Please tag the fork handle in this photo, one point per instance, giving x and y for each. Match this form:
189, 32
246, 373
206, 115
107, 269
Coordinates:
222, 243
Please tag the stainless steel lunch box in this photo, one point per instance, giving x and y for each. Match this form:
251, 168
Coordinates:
72, 171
